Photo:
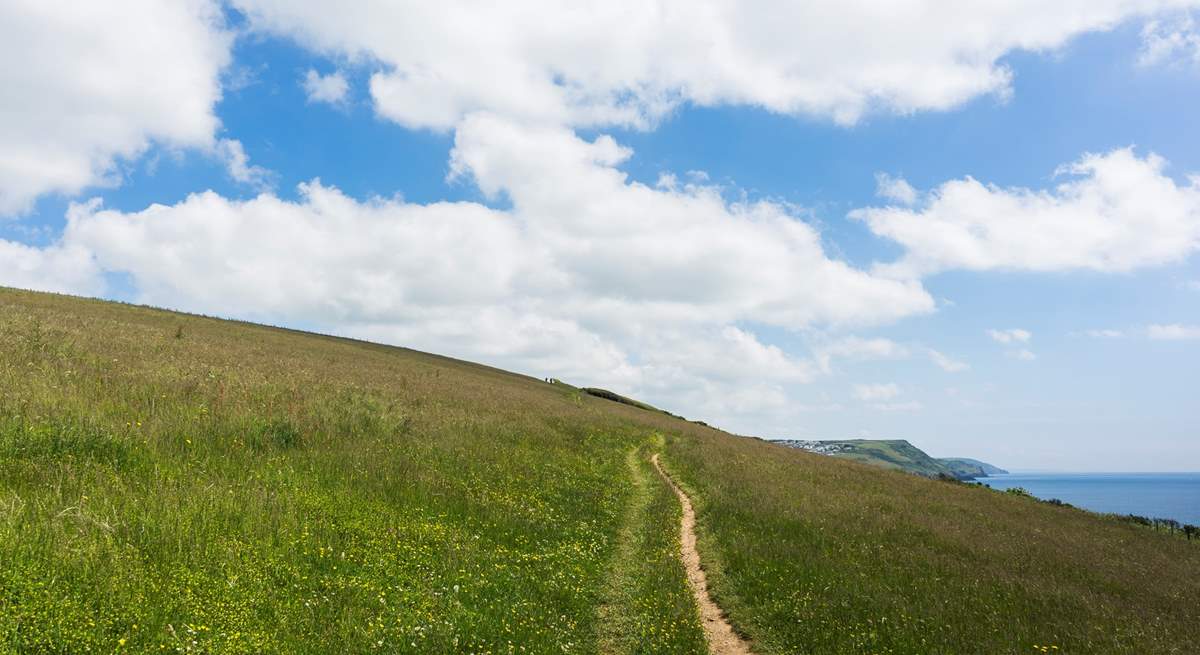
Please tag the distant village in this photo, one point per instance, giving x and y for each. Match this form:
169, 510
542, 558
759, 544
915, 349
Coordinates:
822, 447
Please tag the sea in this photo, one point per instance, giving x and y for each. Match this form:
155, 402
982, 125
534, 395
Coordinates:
1155, 495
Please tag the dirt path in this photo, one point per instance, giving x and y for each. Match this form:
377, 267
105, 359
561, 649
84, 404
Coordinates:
722, 640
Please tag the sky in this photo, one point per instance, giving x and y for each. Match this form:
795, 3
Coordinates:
970, 225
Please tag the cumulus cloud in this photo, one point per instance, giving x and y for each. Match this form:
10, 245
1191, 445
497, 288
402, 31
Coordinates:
1023, 354
630, 62
1173, 332
331, 89
1172, 40
1117, 212
271, 257
671, 251
588, 274
1015, 335
87, 85
58, 268
876, 392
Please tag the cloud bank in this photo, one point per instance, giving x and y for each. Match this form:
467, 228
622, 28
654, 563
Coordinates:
587, 275
630, 62
89, 85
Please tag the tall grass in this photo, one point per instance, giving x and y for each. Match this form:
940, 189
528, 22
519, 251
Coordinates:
821, 555
172, 483
175, 483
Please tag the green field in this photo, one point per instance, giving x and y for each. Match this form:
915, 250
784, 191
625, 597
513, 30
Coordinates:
173, 483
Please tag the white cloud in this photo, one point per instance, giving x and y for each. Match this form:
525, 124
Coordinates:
1119, 212
89, 84
1173, 332
670, 250
331, 89
1172, 40
1015, 335
61, 269
629, 62
654, 291
270, 257
876, 392
895, 188
231, 152
1023, 355
947, 363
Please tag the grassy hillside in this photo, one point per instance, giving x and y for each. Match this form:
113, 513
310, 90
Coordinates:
963, 470
823, 555
172, 483
896, 454
965, 467
180, 483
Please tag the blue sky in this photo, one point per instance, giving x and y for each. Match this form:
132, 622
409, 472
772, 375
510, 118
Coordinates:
687, 234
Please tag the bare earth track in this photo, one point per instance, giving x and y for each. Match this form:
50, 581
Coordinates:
722, 640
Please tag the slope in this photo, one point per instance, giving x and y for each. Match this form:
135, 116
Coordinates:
174, 482
823, 555
971, 467
895, 454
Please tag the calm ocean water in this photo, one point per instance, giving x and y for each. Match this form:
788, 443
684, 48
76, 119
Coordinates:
1165, 495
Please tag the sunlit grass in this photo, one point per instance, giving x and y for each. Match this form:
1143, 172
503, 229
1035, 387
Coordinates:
825, 556
179, 483
172, 483
649, 608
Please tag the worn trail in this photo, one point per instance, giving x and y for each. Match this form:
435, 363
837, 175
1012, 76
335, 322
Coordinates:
722, 640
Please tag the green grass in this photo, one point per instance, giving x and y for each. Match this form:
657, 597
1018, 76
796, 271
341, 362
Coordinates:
173, 483
827, 556
180, 483
650, 607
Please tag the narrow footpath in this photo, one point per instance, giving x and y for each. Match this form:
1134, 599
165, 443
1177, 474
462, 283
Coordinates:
722, 640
